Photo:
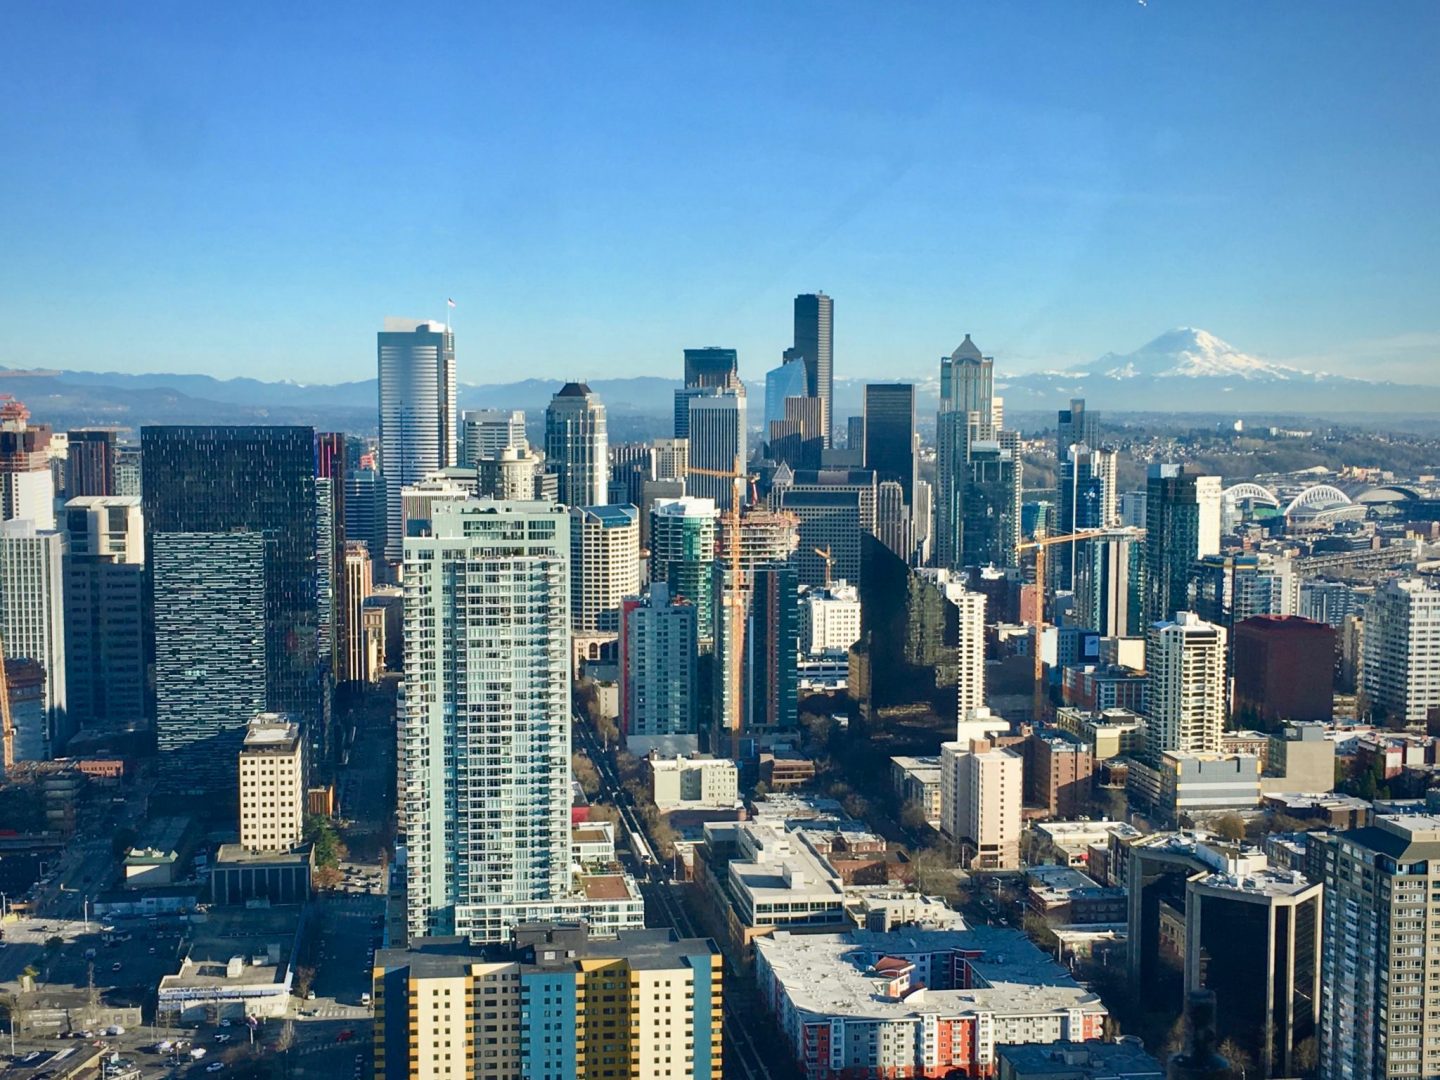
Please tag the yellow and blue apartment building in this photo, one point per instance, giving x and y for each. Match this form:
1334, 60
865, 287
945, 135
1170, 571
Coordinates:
551, 1005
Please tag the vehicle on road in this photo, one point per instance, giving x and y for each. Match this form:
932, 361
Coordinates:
215, 1066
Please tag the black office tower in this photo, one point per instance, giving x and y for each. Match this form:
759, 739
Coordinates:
889, 434
230, 523
814, 342
712, 366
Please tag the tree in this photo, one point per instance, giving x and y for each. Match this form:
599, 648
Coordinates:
1306, 1056
329, 849
1037, 928
304, 979
1241, 1061
584, 771
912, 816
328, 877
1229, 827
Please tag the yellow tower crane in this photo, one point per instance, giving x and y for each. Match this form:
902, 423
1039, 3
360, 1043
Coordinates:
1040, 545
734, 598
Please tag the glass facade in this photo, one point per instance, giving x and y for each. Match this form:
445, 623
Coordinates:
204, 488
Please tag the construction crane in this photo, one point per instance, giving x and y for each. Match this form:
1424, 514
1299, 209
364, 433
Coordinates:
734, 598
1040, 545
829, 558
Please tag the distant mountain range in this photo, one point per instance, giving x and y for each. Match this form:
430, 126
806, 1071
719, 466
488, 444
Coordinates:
1190, 370
1184, 370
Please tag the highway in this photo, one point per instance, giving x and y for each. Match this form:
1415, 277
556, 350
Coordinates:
742, 1057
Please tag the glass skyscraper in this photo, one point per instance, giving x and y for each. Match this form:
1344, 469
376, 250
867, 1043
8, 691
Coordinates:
418, 433
577, 446
814, 343
890, 434
230, 519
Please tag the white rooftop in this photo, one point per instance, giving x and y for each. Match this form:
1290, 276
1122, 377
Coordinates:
830, 974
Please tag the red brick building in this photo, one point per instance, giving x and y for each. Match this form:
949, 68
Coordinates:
1284, 670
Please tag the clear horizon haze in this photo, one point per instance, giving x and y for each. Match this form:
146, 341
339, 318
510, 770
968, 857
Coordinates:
249, 190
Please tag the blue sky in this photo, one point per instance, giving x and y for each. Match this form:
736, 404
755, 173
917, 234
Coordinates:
250, 192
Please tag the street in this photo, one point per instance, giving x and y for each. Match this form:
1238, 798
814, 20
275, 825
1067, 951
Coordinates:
665, 906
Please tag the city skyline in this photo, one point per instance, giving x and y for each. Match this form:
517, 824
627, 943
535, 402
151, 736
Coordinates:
1111, 179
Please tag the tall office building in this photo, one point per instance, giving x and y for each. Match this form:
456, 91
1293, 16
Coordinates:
1182, 524
683, 535
486, 737
365, 517
330, 581
604, 566
1400, 674
27, 485
967, 381
814, 343
1254, 939
1185, 700
658, 650
417, 411
786, 381
577, 446
1108, 580
631, 464
892, 519
484, 433
32, 616
90, 462
359, 583
796, 440
772, 650
1228, 589
272, 784
718, 433
1077, 426
979, 514
670, 459
833, 518
1378, 990
978, 472
1087, 500
211, 635
890, 434
104, 602
230, 529
552, 1005
712, 366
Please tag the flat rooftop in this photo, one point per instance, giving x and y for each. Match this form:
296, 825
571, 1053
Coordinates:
247, 933
605, 887
1274, 883
831, 974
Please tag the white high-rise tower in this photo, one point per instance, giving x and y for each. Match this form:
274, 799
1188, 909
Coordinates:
417, 412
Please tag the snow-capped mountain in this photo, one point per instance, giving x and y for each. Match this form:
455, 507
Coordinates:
1190, 353
1187, 369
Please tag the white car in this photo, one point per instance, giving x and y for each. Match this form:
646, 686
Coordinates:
215, 1066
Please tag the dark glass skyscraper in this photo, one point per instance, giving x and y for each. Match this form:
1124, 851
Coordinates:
1182, 524
90, 462
814, 341
890, 434
712, 366
230, 522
